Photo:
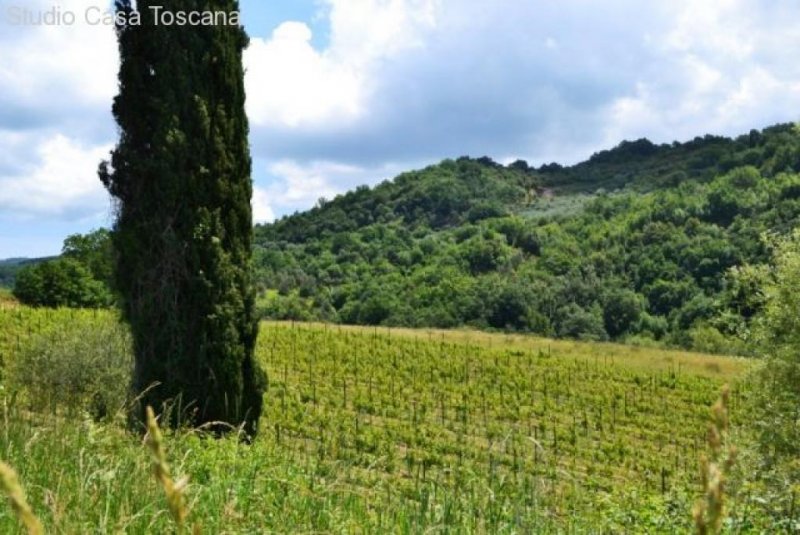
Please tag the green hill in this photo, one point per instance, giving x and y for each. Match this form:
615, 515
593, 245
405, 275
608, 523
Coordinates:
11, 266
647, 166
635, 243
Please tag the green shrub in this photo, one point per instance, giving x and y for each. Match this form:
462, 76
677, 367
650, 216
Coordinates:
60, 282
708, 339
78, 367
776, 334
622, 309
580, 323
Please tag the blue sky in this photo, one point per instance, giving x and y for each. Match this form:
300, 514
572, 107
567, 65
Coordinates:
347, 92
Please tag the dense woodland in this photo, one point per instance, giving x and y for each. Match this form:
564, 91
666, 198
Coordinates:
11, 266
642, 243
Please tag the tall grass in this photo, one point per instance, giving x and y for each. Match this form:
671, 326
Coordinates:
9, 485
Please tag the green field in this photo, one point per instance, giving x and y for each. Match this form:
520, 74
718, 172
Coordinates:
376, 430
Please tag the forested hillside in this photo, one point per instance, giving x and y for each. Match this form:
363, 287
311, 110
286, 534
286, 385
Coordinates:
640, 242
11, 266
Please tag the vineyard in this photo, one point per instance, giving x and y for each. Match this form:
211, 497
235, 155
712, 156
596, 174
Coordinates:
405, 431
530, 430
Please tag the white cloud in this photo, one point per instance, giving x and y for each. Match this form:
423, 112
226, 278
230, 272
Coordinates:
415, 81
55, 122
298, 185
304, 184
291, 84
61, 68
366, 30
722, 67
13, 149
262, 211
63, 182
722, 28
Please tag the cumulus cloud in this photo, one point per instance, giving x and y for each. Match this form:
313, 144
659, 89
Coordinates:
440, 79
290, 84
62, 183
721, 67
299, 184
58, 75
310, 88
413, 82
295, 185
262, 211
366, 30
55, 126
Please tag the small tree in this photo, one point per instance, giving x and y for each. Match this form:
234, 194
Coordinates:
62, 282
622, 309
777, 335
94, 251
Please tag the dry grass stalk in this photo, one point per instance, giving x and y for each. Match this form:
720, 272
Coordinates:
9, 485
174, 490
709, 511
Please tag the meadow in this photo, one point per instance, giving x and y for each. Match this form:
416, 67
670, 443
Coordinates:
374, 430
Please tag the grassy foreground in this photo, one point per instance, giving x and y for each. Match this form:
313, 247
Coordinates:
371, 430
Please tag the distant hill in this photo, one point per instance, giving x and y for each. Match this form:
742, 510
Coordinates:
466, 189
439, 196
646, 166
634, 243
15, 261
639, 243
10, 266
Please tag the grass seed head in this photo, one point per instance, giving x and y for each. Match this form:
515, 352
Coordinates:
9, 485
709, 511
174, 490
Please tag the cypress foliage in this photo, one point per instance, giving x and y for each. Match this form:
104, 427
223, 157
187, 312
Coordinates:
181, 177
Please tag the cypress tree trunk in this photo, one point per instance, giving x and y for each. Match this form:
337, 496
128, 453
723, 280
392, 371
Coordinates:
181, 177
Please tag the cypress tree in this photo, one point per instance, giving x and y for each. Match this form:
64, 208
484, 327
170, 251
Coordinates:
180, 177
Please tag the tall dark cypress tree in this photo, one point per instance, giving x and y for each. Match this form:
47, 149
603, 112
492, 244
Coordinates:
181, 177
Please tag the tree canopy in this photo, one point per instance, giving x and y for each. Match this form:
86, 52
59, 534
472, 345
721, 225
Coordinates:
637, 243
